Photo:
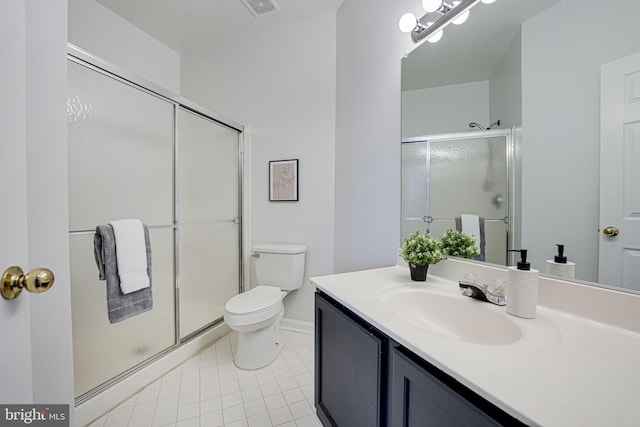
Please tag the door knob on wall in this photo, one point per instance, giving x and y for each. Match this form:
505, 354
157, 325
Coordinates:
14, 280
610, 231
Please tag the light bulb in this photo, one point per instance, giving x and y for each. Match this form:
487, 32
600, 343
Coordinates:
487, 1
435, 37
407, 22
462, 18
430, 6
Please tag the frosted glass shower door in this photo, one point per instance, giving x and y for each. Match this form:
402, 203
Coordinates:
415, 158
208, 219
470, 177
120, 150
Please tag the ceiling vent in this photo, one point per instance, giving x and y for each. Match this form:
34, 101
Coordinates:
261, 7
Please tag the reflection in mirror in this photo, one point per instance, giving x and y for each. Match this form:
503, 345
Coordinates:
537, 65
460, 181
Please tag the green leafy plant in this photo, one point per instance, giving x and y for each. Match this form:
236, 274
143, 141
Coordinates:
456, 243
421, 249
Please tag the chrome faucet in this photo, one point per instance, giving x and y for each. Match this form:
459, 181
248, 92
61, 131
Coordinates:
493, 294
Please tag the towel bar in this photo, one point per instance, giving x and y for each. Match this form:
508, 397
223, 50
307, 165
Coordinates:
430, 219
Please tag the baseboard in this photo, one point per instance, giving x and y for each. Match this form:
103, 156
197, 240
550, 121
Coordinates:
108, 399
297, 326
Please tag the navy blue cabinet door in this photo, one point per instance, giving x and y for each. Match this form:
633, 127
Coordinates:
349, 358
419, 399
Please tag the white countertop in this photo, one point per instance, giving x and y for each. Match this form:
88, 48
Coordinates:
564, 370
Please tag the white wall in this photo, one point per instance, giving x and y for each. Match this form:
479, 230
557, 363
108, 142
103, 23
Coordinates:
562, 51
367, 188
505, 87
451, 108
105, 34
282, 84
445, 109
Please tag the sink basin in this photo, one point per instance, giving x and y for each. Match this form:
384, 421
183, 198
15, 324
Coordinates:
458, 318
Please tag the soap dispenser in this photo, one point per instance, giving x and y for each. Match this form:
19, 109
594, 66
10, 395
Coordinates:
560, 266
522, 293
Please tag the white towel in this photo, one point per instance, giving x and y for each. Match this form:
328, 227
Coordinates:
471, 225
131, 255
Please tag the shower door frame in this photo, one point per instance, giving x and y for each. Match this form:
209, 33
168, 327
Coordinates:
512, 221
92, 62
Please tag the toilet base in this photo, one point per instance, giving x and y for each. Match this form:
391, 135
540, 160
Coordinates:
257, 349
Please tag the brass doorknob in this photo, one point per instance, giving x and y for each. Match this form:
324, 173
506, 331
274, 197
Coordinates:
610, 231
14, 280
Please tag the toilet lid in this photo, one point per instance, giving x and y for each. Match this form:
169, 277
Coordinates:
257, 299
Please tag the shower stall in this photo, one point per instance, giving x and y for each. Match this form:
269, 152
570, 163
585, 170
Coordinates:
137, 151
448, 175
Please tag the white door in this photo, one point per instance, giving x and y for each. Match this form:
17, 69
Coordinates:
35, 337
620, 173
15, 351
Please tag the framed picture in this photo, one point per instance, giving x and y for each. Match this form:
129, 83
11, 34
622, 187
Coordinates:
283, 180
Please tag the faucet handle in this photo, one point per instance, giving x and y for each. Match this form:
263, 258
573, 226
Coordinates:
497, 287
470, 278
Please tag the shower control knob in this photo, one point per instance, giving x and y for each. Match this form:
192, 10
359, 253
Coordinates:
610, 231
36, 281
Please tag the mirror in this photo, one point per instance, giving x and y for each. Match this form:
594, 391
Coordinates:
534, 65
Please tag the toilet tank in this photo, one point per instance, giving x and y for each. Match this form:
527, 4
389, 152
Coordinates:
280, 265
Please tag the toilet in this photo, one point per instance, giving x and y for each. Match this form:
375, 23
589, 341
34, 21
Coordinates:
255, 314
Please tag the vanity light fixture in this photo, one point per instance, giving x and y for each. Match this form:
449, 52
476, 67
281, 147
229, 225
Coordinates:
461, 18
436, 36
431, 6
421, 29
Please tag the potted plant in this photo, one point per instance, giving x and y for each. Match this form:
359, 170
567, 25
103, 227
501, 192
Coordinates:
456, 243
420, 250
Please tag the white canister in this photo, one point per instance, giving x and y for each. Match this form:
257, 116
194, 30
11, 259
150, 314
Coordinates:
566, 270
522, 294
560, 266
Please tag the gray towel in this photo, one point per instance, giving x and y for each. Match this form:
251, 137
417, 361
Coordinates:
119, 305
480, 257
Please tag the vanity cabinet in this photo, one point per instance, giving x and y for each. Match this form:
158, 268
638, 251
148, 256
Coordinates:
364, 378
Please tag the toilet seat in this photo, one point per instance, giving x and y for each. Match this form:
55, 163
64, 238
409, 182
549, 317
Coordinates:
260, 298
254, 306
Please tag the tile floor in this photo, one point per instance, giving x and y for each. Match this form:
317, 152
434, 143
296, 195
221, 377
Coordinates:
208, 390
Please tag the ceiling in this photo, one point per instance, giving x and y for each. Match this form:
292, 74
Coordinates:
185, 25
466, 53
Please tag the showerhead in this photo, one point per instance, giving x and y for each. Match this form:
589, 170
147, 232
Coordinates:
476, 125
496, 123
